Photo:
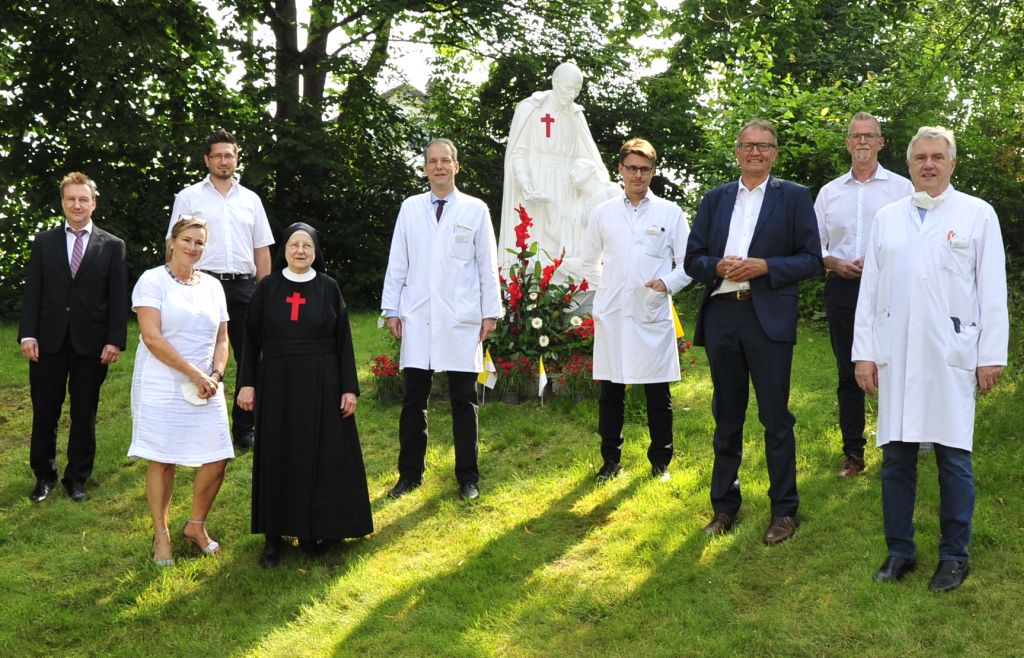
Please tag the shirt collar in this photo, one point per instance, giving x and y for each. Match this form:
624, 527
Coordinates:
648, 197
87, 228
881, 173
447, 199
209, 181
763, 186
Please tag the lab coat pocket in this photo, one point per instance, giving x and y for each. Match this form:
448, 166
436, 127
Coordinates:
962, 348
654, 306
958, 257
462, 247
655, 242
467, 306
880, 339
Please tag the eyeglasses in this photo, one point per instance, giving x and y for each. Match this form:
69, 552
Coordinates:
761, 147
633, 170
867, 137
228, 157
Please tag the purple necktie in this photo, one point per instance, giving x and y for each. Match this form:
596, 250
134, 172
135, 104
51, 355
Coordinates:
440, 208
76, 251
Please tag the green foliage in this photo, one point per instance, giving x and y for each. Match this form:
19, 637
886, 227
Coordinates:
119, 90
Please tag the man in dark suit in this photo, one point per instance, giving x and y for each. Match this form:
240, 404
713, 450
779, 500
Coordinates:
73, 325
751, 244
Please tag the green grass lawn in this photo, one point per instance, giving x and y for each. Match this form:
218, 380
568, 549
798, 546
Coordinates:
545, 563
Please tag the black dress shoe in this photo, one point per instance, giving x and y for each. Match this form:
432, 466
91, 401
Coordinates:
271, 552
660, 473
608, 471
468, 491
42, 489
894, 568
245, 440
404, 486
76, 490
949, 575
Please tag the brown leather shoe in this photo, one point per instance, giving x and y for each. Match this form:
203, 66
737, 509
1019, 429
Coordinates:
852, 467
720, 524
780, 529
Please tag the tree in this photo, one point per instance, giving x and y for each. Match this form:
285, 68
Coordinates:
113, 89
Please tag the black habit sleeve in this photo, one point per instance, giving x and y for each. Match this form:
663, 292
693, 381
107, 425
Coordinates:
346, 354
248, 367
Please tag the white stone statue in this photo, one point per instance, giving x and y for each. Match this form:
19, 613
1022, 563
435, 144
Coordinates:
549, 134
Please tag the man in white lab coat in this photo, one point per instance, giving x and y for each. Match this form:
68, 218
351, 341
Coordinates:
845, 208
441, 298
628, 253
931, 329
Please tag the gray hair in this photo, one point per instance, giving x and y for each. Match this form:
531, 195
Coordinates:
864, 116
934, 132
442, 141
760, 124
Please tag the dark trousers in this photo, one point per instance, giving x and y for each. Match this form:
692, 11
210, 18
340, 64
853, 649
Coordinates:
899, 491
412, 424
840, 308
50, 379
739, 352
611, 417
238, 293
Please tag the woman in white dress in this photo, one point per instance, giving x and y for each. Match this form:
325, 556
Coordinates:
178, 411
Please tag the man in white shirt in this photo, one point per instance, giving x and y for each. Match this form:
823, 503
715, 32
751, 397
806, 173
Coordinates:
931, 331
846, 208
442, 300
237, 247
751, 244
629, 249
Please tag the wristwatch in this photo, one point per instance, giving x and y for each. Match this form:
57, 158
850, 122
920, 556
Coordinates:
218, 372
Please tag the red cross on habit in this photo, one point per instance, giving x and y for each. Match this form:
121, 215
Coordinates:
547, 120
296, 301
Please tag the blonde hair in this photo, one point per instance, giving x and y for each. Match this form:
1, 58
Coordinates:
637, 146
78, 178
184, 223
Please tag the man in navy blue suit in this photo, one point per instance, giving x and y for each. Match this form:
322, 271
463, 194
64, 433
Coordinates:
74, 318
751, 244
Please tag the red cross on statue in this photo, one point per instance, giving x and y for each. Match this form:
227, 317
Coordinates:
296, 301
547, 120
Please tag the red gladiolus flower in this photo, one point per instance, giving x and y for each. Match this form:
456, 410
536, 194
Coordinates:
523, 229
584, 286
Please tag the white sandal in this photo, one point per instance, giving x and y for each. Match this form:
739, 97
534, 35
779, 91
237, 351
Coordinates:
213, 548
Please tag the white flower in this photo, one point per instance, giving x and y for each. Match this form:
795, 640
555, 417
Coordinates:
533, 296
536, 323
530, 307
576, 321
543, 340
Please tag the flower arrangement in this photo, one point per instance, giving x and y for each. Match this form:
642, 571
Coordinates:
538, 321
577, 376
513, 374
385, 376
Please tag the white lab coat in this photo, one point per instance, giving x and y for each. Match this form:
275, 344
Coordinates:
442, 279
634, 337
916, 279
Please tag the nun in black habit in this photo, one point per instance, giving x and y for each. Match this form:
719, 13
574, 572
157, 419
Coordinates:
299, 374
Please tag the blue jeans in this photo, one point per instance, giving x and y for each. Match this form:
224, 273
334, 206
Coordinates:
956, 499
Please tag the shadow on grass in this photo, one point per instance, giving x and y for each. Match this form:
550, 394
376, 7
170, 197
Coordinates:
454, 601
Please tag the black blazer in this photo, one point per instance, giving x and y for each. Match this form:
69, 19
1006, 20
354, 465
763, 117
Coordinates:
786, 236
93, 305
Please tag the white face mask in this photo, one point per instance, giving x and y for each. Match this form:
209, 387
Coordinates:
927, 201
